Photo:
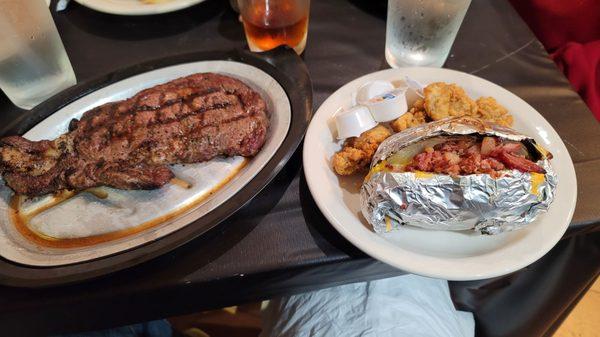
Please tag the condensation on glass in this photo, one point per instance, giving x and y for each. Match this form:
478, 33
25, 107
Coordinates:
421, 32
33, 61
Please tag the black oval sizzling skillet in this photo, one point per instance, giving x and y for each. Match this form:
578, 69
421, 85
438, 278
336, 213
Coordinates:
282, 64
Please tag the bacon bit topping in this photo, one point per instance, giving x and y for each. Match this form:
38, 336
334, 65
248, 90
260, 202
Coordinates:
487, 145
470, 156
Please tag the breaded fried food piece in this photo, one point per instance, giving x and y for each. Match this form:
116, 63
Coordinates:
369, 140
357, 152
419, 104
414, 117
349, 161
409, 120
490, 110
447, 100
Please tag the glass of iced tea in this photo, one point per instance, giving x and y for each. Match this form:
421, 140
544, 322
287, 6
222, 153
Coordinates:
271, 23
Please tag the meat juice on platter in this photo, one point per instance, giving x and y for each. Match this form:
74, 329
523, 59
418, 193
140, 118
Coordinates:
54, 232
130, 145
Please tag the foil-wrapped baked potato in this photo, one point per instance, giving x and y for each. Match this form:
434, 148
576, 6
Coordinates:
458, 173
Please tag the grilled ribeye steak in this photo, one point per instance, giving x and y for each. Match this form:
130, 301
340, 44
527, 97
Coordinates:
128, 144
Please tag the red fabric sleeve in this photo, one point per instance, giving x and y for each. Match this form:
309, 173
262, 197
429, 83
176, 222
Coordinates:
570, 31
581, 64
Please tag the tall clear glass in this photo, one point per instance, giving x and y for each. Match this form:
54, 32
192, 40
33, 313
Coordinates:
33, 61
421, 32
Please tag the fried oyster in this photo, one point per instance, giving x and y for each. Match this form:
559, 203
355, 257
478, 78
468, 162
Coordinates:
444, 100
414, 117
490, 110
357, 152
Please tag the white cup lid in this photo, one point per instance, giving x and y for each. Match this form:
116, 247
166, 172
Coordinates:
388, 106
354, 121
372, 89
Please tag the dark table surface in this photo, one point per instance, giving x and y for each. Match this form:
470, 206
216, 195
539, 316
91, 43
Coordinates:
280, 243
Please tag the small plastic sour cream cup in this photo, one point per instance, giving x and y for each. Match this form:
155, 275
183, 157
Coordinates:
354, 121
388, 106
372, 89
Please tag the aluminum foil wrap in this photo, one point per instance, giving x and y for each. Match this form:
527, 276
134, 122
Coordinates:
475, 202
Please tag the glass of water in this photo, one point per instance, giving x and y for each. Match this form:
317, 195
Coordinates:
421, 32
33, 61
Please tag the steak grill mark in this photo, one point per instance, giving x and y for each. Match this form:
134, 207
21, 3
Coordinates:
128, 144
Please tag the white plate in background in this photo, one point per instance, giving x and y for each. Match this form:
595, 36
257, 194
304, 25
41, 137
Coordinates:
137, 7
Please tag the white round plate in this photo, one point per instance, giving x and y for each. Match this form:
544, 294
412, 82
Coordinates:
137, 7
440, 254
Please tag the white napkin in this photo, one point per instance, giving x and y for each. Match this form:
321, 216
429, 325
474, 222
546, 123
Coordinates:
407, 305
